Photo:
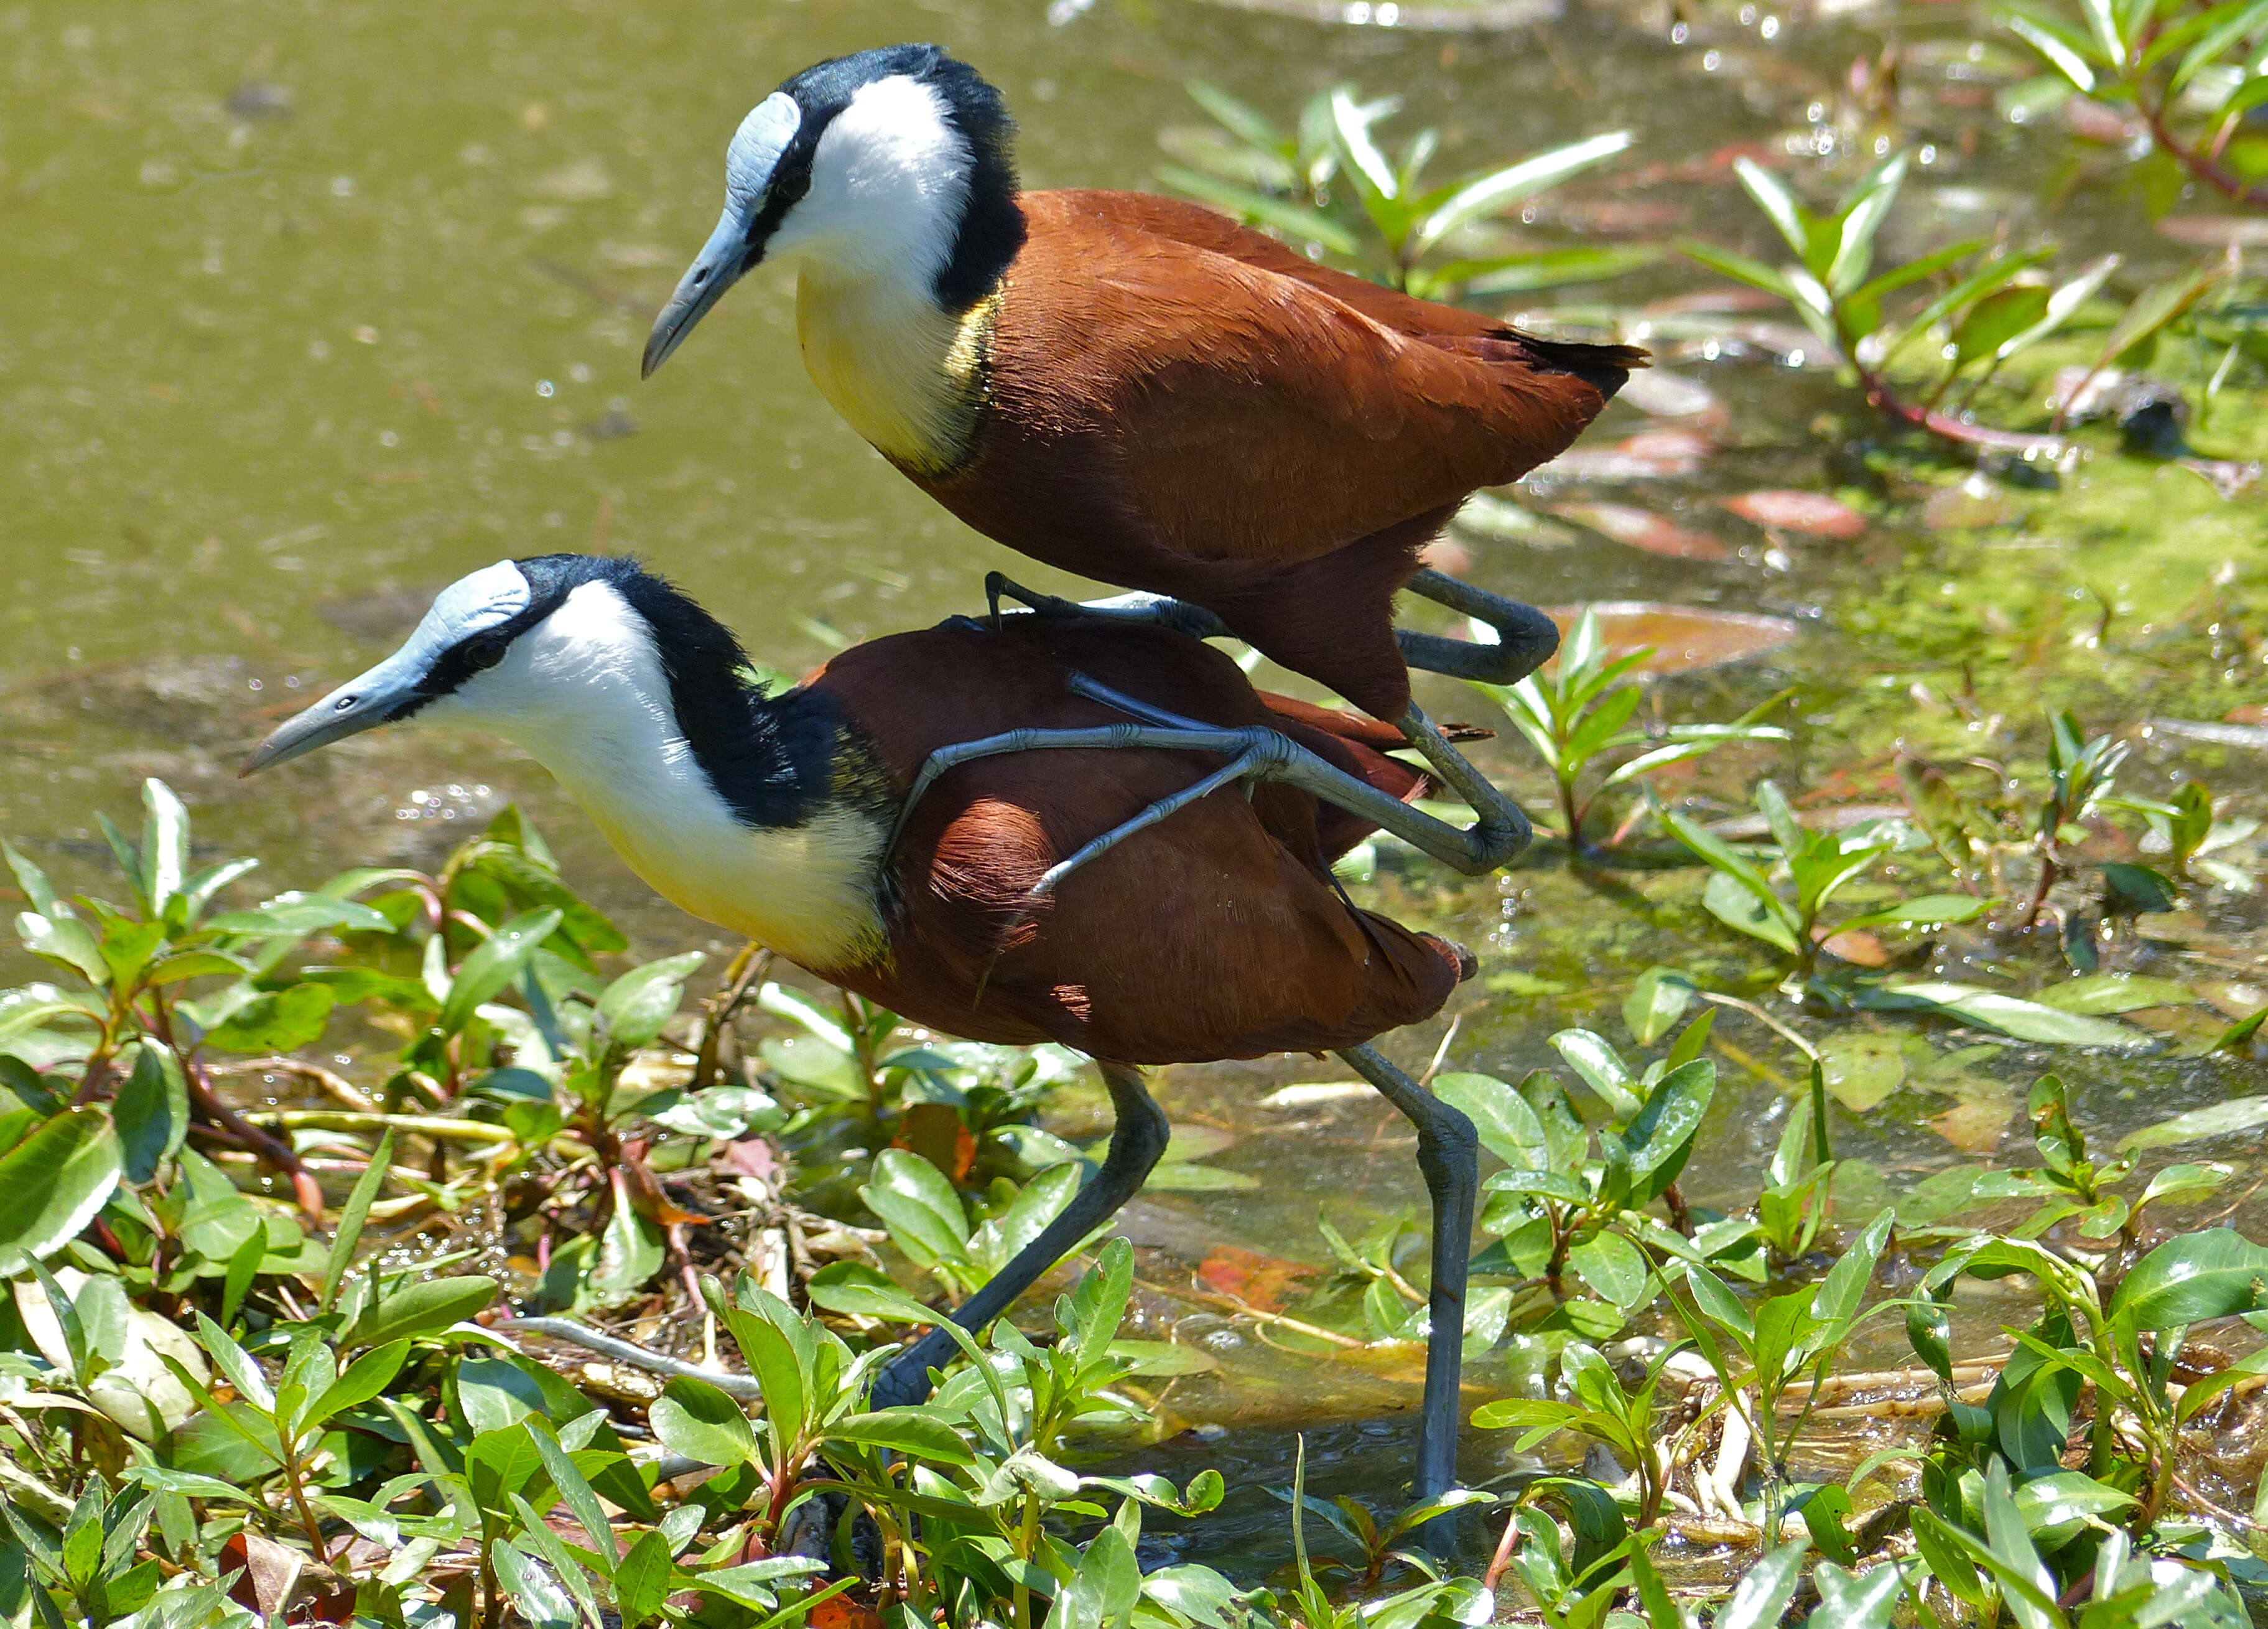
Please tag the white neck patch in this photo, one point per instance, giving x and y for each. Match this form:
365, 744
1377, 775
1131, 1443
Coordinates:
889, 185
584, 692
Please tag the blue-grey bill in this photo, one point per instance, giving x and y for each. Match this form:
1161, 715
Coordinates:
716, 268
363, 704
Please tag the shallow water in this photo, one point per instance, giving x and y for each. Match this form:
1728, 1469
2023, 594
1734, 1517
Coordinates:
312, 307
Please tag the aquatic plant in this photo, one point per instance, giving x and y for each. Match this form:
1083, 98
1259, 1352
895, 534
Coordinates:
1576, 712
1992, 303
1328, 189
2191, 74
218, 1408
1817, 864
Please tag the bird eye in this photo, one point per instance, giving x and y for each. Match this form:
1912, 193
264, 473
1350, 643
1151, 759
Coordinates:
484, 652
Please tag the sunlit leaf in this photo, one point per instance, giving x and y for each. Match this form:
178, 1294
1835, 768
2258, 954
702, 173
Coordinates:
1488, 193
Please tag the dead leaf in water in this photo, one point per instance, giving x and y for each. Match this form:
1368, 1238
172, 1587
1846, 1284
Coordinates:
1643, 529
1684, 638
1813, 514
1264, 1281
1973, 1127
2215, 232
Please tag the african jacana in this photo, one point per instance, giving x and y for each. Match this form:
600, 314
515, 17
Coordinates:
1217, 934
1142, 392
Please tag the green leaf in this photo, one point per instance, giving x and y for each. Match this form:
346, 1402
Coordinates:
1726, 898
1366, 166
31, 878
1992, 275
1547, 268
859, 1291
1777, 204
1297, 221
1764, 1589
642, 1581
295, 916
693, 1417
1862, 1601
2027, 1021
2054, 1507
1613, 1266
1102, 1593
1739, 267
1508, 1127
1601, 1069
2053, 43
575, 1490
2062, 306
1843, 1290
1655, 1003
2100, 993
539, 1599
53, 1182
1488, 193
153, 1111
636, 1006
915, 1432
66, 941
281, 1021
352, 1215
1928, 910
629, 1253
1091, 1315
494, 964
2204, 1275
917, 1204
774, 1344
422, 1306
1861, 1069
366, 1377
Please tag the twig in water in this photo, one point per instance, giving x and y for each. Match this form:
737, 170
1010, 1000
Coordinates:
638, 1357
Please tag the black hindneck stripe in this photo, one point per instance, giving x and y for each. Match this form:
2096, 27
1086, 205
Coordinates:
770, 758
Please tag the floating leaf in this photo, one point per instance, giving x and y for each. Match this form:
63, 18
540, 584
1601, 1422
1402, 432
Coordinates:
1813, 514
1683, 638
1862, 1070
2100, 993
2027, 1021
2238, 1114
1643, 529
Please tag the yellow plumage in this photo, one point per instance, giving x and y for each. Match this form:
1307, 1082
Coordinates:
906, 375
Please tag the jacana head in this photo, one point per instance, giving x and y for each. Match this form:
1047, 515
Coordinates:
550, 649
894, 161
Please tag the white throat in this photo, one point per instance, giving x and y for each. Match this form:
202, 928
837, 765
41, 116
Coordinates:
889, 184
584, 692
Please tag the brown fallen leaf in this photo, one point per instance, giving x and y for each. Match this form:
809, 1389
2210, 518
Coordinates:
1684, 638
1813, 514
1643, 529
1973, 1127
935, 1132
1258, 1280
270, 1573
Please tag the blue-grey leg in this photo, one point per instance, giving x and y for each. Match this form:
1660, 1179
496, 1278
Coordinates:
1136, 1143
1526, 637
1257, 754
1500, 829
1448, 1155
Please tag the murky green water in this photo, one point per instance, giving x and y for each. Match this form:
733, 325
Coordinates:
306, 309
